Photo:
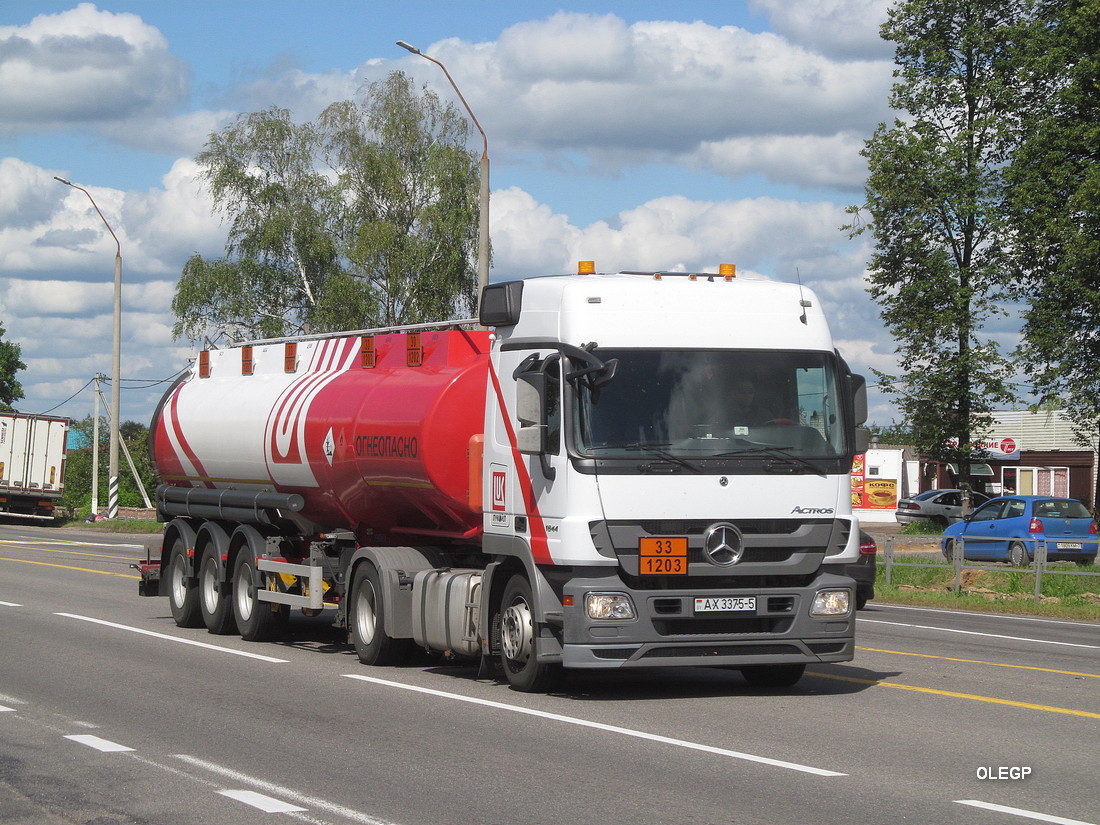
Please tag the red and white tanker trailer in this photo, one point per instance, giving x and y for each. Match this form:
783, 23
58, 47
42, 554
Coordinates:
625, 470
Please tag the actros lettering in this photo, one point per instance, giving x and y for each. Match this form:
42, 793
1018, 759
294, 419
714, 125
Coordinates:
813, 511
386, 446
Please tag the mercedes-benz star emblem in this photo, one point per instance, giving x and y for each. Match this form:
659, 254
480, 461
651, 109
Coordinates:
722, 544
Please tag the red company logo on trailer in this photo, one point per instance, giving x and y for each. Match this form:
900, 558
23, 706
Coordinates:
498, 490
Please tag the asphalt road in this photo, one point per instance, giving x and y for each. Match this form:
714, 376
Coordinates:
109, 713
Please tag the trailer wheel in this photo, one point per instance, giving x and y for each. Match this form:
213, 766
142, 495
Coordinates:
217, 609
517, 640
183, 597
773, 676
373, 645
257, 621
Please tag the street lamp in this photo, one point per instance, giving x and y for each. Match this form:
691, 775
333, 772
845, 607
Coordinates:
112, 489
483, 211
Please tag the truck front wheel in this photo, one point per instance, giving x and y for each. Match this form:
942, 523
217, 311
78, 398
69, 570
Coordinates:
367, 621
773, 676
517, 640
183, 597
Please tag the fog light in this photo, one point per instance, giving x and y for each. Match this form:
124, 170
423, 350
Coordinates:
614, 606
832, 603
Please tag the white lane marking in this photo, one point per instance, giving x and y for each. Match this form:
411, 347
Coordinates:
166, 637
1004, 809
66, 543
99, 744
680, 743
9, 604
977, 615
977, 633
267, 804
269, 787
5, 709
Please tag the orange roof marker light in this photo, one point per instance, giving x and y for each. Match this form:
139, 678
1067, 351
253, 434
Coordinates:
586, 267
728, 271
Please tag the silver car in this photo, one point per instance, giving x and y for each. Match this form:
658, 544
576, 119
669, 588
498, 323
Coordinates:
942, 507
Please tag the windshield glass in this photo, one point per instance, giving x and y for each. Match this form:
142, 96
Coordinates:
713, 403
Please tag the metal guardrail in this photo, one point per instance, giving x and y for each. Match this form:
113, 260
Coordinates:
1039, 566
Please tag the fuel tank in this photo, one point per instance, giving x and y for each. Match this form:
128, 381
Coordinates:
374, 432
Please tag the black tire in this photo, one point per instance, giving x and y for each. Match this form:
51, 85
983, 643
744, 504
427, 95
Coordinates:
861, 601
517, 641
1017, 555
367, 621
183, 596
214, 598
773, 676
949, 550
257, 621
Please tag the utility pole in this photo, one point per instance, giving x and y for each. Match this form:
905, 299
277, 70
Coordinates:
116, 381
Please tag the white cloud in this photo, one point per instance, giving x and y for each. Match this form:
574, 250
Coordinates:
809, 160
82, 67
845, 29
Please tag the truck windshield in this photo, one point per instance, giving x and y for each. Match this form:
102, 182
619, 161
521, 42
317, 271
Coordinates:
713, 403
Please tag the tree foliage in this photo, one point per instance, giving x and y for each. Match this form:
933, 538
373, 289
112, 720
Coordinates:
10, 388
365, 217
78, 465
1055, 209
935, 200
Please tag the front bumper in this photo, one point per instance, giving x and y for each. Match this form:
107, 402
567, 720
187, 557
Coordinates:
667, 632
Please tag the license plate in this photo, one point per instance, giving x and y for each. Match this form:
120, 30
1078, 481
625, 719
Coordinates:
663, 556
1069, 545
726, 604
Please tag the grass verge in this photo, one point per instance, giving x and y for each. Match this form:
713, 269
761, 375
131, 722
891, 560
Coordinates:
990, 590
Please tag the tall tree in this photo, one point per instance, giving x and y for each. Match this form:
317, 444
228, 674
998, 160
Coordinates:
10, 389
410, 229
1055, 209
934, 196
364, 218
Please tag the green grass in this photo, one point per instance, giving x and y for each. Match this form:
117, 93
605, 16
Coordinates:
922, 528
991, 590
115, 526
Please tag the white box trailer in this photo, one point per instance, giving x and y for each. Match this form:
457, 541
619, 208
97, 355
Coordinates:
32, 464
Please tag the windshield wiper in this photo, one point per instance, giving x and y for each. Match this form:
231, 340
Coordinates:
772, 450
652, 448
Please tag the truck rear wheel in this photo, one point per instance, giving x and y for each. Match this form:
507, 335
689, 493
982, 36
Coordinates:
183, 597
517, 640
367, 621
217, 609
257, 621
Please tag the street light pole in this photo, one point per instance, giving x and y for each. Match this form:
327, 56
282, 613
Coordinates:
116, 381
483, 210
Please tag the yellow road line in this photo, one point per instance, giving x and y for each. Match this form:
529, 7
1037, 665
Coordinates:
68, 567
76, 553
980, 662
953, 694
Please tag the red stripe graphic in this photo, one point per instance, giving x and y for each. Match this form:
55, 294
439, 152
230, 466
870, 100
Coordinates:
177, 429
540, 548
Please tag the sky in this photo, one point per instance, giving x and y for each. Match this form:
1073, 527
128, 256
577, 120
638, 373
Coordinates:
641, 135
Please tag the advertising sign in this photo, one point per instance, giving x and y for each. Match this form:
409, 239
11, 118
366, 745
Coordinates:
871, 492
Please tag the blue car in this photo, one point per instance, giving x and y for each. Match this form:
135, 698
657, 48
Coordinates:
1009, 528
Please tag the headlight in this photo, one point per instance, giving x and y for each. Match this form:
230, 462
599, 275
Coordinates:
615, 606
832, 603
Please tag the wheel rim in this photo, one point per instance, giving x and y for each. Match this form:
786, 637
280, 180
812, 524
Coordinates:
244, 592
366, 623
210, 595
178, 581
515, 632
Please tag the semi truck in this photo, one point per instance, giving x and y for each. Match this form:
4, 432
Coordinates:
32, 464
572, 481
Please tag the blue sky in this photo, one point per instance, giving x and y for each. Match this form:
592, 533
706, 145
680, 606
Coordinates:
645, 135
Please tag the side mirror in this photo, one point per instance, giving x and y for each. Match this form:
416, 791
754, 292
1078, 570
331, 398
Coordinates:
859, 399
531, 433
